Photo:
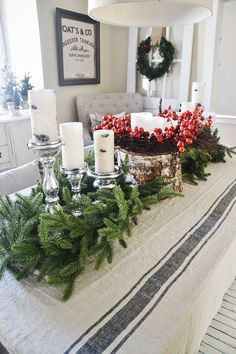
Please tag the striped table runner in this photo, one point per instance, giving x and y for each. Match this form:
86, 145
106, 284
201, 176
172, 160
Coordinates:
158, 296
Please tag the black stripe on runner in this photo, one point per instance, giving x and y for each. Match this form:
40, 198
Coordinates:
169, 286
145, 274
104, 337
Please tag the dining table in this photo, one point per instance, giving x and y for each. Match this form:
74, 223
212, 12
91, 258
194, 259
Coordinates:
158, 296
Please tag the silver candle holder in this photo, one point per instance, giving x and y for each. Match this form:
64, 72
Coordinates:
75, 177
104, 180
47, 153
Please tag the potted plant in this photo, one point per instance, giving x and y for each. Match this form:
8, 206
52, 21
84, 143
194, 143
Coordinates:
25, 86
8, 83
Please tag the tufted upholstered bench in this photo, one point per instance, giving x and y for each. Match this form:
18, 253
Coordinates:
105, 103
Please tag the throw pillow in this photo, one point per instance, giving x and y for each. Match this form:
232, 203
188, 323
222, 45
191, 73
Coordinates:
97, 119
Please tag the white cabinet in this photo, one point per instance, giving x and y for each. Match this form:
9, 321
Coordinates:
3, 137
5, 157
15, 133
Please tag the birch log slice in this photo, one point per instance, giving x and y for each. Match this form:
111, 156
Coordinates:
146, 168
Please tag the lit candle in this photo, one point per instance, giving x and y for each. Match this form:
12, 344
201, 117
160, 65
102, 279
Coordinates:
104, 151
43, 116
187, 106
198, 92
72, 145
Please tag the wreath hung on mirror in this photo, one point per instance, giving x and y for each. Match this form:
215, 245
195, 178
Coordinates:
166, 51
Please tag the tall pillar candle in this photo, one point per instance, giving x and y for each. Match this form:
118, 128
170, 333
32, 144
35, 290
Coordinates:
43, 116
72, 145
198, 89
104, 151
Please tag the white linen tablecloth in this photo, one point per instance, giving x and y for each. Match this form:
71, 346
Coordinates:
158, 296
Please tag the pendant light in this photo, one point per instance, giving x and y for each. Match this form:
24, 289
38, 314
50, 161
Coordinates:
149, 13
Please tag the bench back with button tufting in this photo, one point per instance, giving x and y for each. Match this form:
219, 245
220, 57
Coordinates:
106, 103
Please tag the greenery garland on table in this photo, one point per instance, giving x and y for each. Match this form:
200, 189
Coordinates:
206, 149
60, 246
166, 51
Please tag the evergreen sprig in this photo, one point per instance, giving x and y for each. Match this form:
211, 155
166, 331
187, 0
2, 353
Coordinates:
59, 246
205, 150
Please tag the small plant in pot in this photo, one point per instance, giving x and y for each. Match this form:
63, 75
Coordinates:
8, 83
25, 86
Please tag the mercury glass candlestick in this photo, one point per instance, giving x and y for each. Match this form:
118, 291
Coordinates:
75, 177
47, 154
104, 180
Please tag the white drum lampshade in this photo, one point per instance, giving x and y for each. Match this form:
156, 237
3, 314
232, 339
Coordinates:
149, 13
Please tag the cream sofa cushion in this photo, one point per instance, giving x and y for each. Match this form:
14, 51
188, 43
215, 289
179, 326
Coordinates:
14, 180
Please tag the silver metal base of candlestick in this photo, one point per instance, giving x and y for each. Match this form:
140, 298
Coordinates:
104, 180
47, 154
75, 177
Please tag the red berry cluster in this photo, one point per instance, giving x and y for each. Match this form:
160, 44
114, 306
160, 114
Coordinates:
169, 115
118, 125
139, 133
161, 136
184, 133
189, 125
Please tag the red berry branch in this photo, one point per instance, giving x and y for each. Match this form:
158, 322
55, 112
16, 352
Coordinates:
182, 130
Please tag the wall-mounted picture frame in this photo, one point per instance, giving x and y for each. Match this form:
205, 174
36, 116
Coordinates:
78, 48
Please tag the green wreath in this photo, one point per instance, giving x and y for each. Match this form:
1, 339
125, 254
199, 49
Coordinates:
166, 51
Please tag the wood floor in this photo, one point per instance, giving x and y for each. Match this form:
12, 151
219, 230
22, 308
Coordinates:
221, 334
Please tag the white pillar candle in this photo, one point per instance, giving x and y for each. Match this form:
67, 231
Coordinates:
187, 106
72, 145
198, 89
43, 115
142, 120
148, 122
159, 122
104, 151
174, 123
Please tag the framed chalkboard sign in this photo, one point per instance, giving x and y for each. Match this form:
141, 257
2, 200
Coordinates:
78, 48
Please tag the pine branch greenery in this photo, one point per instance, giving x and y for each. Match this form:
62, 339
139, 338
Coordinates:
206, 149
58, 247
194, 162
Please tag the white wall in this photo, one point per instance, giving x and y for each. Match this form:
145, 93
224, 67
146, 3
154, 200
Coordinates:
225, 93
20, 23
114, 47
